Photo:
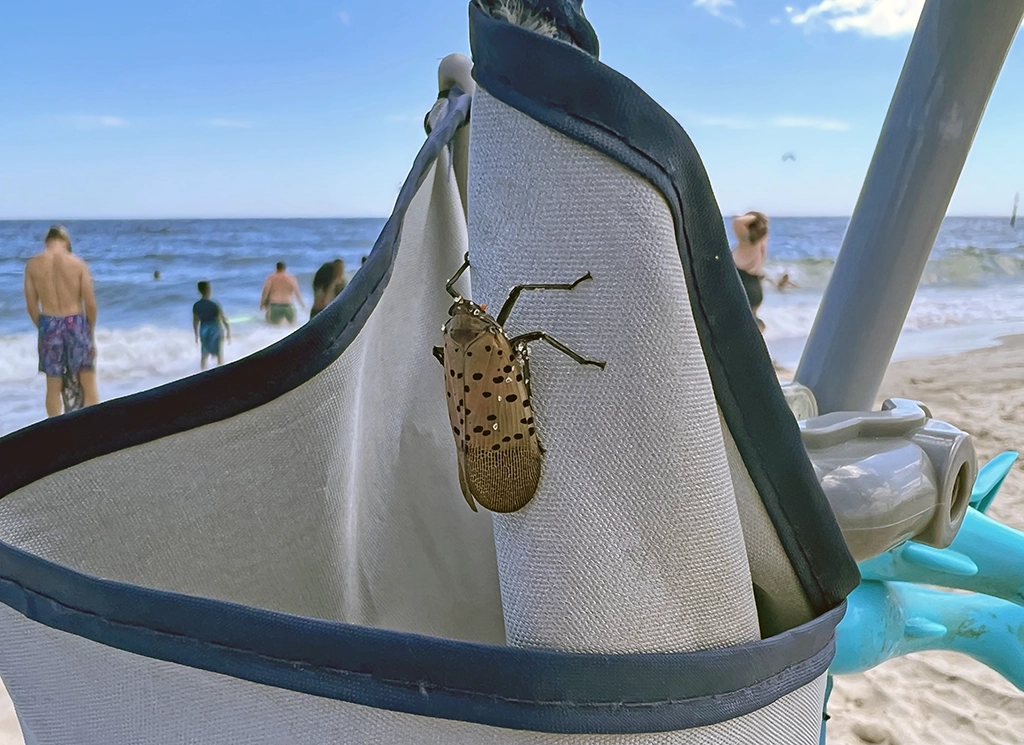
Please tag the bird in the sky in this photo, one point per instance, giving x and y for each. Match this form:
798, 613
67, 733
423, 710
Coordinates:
788, 156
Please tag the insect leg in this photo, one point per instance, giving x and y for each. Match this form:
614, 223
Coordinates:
455, 278
541, 336
513, 296
439, 355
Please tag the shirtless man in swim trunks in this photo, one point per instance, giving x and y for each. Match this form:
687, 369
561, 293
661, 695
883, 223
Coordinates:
749, 256
60, 301
277, 296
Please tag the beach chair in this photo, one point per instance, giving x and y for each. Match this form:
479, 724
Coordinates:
279, 551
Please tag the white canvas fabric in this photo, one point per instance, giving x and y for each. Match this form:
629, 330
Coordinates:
633, 540
782, 604
339, 500
71, 691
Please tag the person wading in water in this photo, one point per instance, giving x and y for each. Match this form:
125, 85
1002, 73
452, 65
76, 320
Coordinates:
749, 256
61, 303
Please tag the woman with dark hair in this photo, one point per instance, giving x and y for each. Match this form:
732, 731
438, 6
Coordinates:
328, 282
749, 255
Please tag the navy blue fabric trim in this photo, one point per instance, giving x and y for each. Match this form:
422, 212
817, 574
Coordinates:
537, 690
567, 15
56, 444
571, 92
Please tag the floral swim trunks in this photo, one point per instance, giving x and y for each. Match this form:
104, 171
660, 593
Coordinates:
65, 349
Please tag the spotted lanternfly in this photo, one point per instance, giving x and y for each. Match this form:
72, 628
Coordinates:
487, 377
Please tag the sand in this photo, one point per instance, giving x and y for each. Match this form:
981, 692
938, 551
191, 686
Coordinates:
937, 697
10, 732
932, 697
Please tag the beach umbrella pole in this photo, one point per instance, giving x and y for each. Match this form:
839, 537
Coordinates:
950, 70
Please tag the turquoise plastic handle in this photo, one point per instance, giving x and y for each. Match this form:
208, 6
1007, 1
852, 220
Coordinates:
889, 616
990, 479
885, 620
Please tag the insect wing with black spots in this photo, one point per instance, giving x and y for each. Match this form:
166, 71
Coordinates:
454, 374
502, 459
492, 419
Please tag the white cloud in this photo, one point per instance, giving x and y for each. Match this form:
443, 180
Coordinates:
344, 17
867, 17
89, 121
810, 122
727, 122
783, 121
724, 9
229, 123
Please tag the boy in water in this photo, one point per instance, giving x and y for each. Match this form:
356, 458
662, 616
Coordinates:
207, 318
749, 256
60, 301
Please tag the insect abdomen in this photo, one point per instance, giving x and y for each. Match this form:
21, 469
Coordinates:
502, 480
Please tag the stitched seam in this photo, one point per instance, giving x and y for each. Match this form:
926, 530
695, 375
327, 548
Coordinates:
292, 663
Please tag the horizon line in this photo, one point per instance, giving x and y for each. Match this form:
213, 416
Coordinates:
385, 217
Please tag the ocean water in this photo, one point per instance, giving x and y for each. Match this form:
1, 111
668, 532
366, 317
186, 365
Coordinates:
971, 293
144, 332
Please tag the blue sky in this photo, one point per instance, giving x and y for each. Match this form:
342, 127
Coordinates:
204, 108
